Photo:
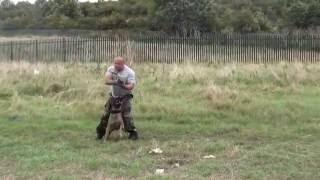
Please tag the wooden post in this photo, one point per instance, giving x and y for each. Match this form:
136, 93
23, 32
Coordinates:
94, 50
11, 50
37, 51
64, 46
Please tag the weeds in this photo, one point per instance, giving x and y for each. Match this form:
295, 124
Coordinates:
259, 121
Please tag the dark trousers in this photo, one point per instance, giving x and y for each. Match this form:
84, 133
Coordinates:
126, 116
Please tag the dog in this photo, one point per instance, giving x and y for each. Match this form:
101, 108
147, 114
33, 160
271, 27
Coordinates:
115, 121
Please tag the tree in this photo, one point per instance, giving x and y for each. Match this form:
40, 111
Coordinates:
6, 4
298, 12
68, 8
182, 16
313, 15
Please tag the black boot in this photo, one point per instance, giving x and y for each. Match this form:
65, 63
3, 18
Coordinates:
101, 131
99, 137
133, 135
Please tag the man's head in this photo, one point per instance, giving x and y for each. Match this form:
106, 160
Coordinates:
119, 63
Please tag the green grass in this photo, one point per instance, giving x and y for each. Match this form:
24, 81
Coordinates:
261, 122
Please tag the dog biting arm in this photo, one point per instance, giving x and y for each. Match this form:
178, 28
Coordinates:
109, 81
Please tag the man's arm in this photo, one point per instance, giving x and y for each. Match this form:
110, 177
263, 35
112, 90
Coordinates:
108, 79
131, 82
128, 86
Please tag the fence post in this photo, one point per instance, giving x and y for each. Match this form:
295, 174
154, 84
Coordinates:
11, 50
64, 46
37, 51
94, 41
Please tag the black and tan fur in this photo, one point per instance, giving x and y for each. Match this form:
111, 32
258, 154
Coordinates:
115, 121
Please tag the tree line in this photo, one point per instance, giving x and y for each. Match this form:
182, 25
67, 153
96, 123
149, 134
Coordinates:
171, 16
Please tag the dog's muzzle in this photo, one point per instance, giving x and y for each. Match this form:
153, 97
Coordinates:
116, 103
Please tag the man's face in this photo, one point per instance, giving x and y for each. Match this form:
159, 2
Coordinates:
119, 64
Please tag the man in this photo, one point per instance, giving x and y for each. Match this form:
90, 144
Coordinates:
121, 78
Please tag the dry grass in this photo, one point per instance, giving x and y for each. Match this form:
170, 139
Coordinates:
218, 85
260, 121
27, 38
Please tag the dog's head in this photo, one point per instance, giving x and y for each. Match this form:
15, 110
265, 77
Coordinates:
116, 103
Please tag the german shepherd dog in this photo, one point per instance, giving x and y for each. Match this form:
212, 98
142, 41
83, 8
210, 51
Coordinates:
115, 121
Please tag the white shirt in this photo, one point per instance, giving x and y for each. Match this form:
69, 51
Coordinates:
127, 75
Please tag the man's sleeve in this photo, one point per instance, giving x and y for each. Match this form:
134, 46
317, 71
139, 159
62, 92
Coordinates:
132, 78
109, 71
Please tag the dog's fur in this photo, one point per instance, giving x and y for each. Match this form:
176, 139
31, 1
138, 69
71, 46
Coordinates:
115, 121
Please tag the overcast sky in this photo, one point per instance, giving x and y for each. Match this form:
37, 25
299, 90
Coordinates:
32, 1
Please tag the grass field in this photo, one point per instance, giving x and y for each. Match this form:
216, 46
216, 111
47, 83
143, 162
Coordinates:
259, 121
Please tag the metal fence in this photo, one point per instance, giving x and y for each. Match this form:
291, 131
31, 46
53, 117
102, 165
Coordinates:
210, 48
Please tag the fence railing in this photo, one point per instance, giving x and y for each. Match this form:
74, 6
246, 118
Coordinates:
213, 48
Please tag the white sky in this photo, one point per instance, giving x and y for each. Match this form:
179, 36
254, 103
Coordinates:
32, 1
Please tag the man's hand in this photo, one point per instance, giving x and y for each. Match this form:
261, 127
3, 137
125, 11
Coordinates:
129, 86
120, 83
125, 86
109, 81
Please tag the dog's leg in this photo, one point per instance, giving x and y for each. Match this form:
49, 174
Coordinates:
119, 119
106, 136
122, 125
120, 133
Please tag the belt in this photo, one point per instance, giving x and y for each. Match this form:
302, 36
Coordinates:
127, 96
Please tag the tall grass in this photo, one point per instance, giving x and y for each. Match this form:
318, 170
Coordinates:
80, 87
260, 121
79, 83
